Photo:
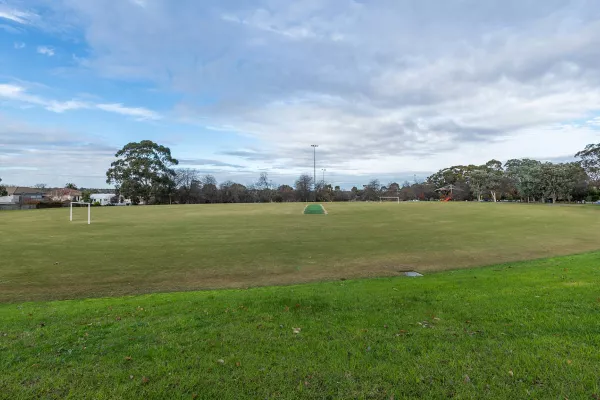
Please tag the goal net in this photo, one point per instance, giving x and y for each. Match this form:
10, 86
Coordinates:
389, 199
80, 205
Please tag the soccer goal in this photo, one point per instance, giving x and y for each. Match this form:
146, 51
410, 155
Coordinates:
386, 199
82, 204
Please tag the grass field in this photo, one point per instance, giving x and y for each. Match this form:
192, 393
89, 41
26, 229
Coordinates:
129, 250
514, 331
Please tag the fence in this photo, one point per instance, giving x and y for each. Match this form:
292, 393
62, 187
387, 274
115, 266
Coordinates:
8, 207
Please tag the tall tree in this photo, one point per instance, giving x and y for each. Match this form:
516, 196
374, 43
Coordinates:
3, 191
580, 181
478, 181
71, 186
488, 178
525, 175
210, 192
232, 192
494, 165
590, 160
559, 180
494, 183
355, 193
143, 170
393, 189
187, 181
323, 191
455, 175
340, 195
372, 190
285, 193
40, 186
86, 196
303, 185
264, 187
494, 178
552, 181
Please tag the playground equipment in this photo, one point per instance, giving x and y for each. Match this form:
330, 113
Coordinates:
448, 192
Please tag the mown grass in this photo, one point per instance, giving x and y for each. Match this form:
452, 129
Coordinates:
130, 250
314, 209
513, 331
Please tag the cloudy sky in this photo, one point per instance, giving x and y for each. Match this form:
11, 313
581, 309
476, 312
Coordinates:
387, 88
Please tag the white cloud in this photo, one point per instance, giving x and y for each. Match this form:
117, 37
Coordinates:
19, 45
59, 107
10, 90
383, 86
18, 16
356, 137
594, 122
138, 113
261, 20
32, 154
20, 94
46, 50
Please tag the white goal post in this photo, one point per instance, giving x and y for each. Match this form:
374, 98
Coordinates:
89, 207
395, 199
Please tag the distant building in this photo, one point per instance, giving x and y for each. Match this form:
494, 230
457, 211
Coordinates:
65, 194
23, 195
102, 198
105, 199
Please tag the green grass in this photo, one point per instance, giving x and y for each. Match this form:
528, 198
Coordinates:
513, 331
129, 250
314, 209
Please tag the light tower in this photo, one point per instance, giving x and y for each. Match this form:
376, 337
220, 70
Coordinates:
314, 146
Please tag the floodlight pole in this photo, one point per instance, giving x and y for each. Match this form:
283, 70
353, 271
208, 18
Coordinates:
314, 146
323, 169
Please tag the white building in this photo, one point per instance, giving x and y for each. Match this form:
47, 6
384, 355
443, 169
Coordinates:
105, 198
102, 198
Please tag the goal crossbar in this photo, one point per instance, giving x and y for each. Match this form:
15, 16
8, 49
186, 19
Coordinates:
397, 199
89, 213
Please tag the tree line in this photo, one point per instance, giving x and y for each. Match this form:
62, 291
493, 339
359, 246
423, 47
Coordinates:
518, 179
145, 172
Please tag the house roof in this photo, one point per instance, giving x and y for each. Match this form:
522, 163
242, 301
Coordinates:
65, 192
22, 190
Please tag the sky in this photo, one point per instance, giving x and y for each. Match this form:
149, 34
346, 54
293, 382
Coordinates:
388, 89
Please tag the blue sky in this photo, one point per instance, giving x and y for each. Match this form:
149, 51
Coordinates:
387, 88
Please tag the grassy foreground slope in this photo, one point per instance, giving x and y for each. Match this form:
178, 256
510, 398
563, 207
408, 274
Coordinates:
131, 250
523, 330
